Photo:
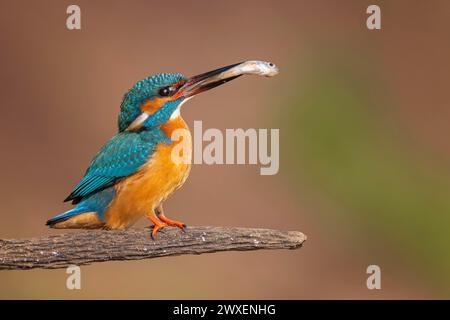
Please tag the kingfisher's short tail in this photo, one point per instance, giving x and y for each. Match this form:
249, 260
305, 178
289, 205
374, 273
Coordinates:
78, 217
65, 215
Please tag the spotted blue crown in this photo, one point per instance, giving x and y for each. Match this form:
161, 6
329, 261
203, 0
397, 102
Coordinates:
145, 90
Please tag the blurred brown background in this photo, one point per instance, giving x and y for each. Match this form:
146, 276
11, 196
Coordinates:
363, 117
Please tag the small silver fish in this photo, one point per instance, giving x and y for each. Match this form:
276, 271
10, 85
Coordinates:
256, 67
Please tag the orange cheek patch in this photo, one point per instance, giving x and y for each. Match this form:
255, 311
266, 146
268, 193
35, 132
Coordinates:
151, 106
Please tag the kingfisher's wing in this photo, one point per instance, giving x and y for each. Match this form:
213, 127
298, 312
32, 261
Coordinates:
121, 156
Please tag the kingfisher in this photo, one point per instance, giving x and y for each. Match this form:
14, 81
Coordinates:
134, 172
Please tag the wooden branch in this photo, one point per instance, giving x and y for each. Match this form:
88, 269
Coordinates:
85, 247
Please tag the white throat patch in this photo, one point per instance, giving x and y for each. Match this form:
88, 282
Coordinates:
177, 111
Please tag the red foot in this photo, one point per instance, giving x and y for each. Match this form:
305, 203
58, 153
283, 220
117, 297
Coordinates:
171, 223
157, 225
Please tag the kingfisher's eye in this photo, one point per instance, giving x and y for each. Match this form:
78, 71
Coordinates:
164, 92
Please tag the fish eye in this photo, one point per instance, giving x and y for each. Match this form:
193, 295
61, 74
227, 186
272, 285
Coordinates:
164, 92
271, 64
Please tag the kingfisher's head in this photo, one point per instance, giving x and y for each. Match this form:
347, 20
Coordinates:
155, 100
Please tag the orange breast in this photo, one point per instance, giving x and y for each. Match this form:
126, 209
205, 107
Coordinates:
139, 194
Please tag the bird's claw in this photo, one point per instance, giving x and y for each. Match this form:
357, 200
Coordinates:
172, 223
163, 222
156, 227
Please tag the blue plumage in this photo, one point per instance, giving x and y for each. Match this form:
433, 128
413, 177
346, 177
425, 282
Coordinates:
121, 156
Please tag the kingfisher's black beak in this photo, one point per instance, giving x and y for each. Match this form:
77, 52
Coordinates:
208, 80
212, 79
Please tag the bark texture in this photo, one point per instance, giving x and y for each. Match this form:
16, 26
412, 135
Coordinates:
85, 247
